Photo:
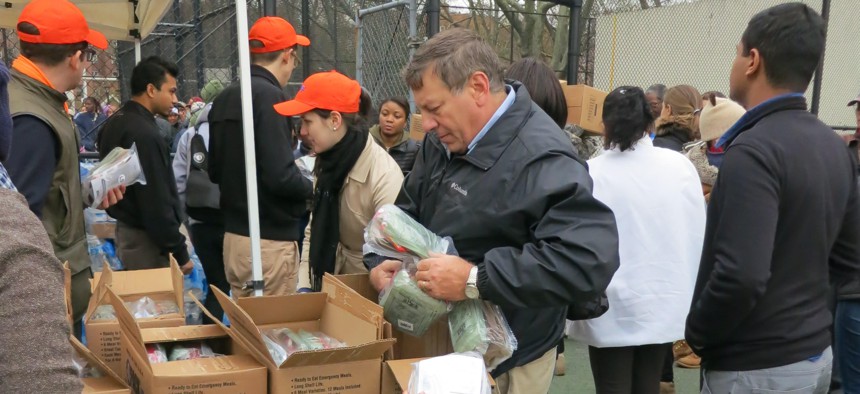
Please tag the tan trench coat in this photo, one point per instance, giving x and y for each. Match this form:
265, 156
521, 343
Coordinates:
374, 181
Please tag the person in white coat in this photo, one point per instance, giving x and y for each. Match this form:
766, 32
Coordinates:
657, 200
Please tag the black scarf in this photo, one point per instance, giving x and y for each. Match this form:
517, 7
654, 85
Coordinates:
332, 168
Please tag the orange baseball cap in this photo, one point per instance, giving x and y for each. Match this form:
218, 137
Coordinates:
59, 22
326, 90
276, 34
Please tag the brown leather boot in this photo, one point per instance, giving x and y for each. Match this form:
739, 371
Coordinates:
681, 349
667, 388
691, 361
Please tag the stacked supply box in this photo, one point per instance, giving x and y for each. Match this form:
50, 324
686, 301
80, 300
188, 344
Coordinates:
186, 359
156, 295
353, 368
584, 106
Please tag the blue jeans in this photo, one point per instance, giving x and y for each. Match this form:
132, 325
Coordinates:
847, 329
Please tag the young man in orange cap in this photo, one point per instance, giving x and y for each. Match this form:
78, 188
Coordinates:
55, 50
283, 191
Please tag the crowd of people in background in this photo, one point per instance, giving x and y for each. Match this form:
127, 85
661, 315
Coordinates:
706, 230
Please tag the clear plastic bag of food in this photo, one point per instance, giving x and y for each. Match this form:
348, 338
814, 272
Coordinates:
283, 342
461, 373
84, 368
306, 166
104, 312
190, 351
393, 233
119, 167
409, 308
156, 353
480, 326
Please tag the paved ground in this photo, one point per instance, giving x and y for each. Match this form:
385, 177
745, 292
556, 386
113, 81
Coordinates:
578, 379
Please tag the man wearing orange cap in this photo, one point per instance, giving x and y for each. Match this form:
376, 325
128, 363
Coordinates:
283, 191
55, 50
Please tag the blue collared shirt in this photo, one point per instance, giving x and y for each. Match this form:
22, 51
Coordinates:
509, 101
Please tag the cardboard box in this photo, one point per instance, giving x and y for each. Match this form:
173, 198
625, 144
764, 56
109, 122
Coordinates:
416, 131
397, 373
110, 383
355, 369
584, 106
104, 230
435, 342
235, 372
103, 336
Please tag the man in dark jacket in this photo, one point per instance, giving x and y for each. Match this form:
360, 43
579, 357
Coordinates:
149, 217
88, 122
500, 178
283, 191
784, 212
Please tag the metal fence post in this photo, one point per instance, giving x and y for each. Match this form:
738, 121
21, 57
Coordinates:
270, 7
359, 49
573, 43
306, 31
433, 17
816, 82
413, 44
198, 50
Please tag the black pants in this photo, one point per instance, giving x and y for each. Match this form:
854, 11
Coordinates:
208, 241
627, 370
668, 374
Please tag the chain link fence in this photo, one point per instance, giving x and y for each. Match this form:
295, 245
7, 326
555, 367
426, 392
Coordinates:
383, 50
637, 42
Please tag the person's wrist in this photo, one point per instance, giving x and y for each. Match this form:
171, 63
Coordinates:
472, 291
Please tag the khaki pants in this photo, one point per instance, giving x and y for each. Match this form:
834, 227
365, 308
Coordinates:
280, 265
532, 378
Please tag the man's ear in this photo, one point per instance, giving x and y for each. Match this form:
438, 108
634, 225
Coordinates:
75, 62
151, 90
755, 64
478, 85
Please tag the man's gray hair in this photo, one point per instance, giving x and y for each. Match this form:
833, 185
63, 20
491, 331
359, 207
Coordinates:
454, 55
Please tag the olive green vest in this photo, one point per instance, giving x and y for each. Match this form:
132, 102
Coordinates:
63, 213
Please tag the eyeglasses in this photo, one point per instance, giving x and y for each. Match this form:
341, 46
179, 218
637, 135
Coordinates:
296, 56
89, 55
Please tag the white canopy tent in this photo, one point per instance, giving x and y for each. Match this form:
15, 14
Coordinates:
123, 20
133, 20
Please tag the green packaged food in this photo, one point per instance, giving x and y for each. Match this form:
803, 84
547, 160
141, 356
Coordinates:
393, 233
480, 326
408, 308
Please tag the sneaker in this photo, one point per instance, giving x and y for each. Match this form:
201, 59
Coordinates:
667, 388
691, 361
560, 367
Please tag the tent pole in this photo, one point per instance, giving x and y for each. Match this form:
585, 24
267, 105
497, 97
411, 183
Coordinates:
250, 150
136, 50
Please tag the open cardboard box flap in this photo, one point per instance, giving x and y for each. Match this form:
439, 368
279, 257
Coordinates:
247, 314
182, 333
343, 295
140, 282
127, 324
93, 360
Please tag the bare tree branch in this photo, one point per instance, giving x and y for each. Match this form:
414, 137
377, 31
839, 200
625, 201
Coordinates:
644, 4
510, 10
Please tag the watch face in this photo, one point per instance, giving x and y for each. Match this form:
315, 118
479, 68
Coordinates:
472, 292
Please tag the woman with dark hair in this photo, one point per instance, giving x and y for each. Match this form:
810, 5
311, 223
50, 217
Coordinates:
392, 135
678, 123
543, 86
545, 90
660, 213
353, 175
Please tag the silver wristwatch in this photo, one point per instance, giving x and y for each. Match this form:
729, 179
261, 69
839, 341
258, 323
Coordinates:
472, 284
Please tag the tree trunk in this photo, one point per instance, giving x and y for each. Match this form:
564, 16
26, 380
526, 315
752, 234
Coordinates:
559, 48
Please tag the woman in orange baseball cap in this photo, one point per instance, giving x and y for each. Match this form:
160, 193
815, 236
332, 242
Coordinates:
354, 176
